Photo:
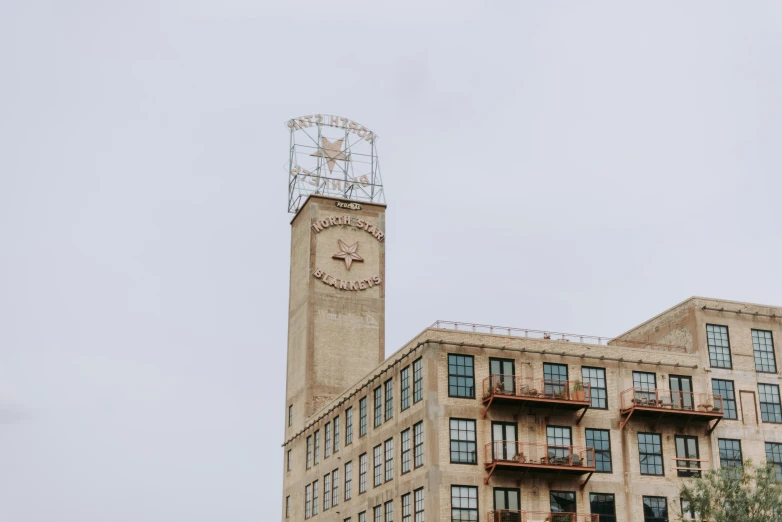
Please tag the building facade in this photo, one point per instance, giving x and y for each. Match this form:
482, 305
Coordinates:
470, 422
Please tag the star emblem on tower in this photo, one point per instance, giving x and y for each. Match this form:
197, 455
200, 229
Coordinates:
347, 253
331, 151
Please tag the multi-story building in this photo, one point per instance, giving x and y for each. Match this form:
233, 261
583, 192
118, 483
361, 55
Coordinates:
469, 422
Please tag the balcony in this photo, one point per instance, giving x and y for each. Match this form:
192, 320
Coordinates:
671, 405
504, 515
551, 393
510, 455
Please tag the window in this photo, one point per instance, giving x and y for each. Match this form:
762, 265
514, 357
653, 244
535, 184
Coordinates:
389, 399
603, 504
418, 380
558, 440
326, 491
405, 392
290, 416
389, 511
464, 504
327, 441
687, 456
418, 508
554, 378
774, 456
406, 508
309, 451
378, 462
315, 498
461, 378
770, 409
730, 453
418, 444
336, 434
288, 461
362, 517
650, 451
688, 511
362, 417
601, 441
378, 513
406, 451
335, 487
725, 388
389, 450
596, 378
362, 473
719, 346
463, 450
378, 406
346, 520
308, 501
288, 506
645, 385
317, 446
655, 509
348, 426
562, 501
764, 351
348, 480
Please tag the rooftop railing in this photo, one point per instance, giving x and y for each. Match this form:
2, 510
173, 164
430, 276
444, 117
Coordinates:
673, 400
534, 454
498, 385
505, 515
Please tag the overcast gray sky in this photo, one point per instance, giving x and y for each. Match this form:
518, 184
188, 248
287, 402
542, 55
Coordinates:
573, 166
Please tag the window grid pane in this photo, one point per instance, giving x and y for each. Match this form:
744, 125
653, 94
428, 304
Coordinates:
362, 417
309, 452
774, 457
348, 426
389, 511
315, 498
418, 508
418, 444
603, 504
730, 453
763, 346
596, 378
651, 453
348, 480
405, 390
326, 491
406, 508
308, 501
554, 378
464, 504
389, 451
463, 446
655, 509
336, 434
725, 388
378, 406
335, 487
461, 378
719, 346
600, 440
406, 451
327, 441
378, 463
418, 380
389, 399
317, 446
770, 408
362, 473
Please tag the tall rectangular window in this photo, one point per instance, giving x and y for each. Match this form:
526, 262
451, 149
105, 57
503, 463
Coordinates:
774, 457
362, 473
407, 508
288, 506
389, 509
326, 491
645, 385
309, 451
763, 344
406, 451
418, 380
335, 487
688, 510
655, 509
687, 456
464, 504
348, 480
418, 444
362, 417
603, 504
601, 441
377, 460
596, 378
562, 501
389, 453
418, 497
315, 498
378, 395
770, 408
378, 510
389, 399
650, 451
288, 461
327, 441
362, 517
404, 396
317, 447
730, 453
348, 426
463, 448
336, 434
308, 501
290, 415
719, 346
725, 388
461, 376
555, 379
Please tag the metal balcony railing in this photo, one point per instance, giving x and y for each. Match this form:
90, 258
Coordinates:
504, 515
498, 385
673, 400
528, 453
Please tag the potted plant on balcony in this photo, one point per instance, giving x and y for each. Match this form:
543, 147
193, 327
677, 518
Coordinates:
578, 391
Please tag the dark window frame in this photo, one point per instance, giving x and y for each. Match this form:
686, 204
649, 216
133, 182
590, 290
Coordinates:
315, 497
772, 351
362, 417
686, 473
389, 396
377, 401
348, 480
407, 507
777, 411
406, 452
775, 451
562, 493
388, 460
655, 519
734, 412
404, 388
377, 466
416, 503
726, 460
362, 473
603, 451
661, 455
418, 380
611, 516
418, 444
474, 442
716, 356
349, 426
327, 441
592, 388
388, 510
468, 509
335, 424
469, 390
326, 492
290, 415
